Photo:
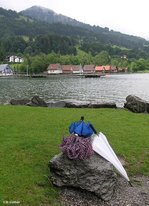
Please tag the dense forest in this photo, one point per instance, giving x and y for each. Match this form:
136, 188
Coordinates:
68, 42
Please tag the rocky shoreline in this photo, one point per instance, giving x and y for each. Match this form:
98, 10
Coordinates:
38, 102
133, 103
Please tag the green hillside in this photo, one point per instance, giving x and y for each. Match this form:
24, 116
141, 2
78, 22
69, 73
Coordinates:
90, 38
34, 37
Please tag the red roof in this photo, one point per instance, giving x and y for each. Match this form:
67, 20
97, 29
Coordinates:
76, 67
107, 68
66, 67
90, 67
99, 68
103, 68
54, 67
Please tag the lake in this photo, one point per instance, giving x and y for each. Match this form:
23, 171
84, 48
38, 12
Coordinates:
111, 88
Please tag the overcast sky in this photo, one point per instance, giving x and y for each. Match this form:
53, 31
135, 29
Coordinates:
126, 16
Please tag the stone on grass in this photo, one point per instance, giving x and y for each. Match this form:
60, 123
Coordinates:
95, 174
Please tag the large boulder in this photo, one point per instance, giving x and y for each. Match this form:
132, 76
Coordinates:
68, 104
80, 104
102, 105
94, 174
37, 102
136, 104
76, 104
19, 101
59, 104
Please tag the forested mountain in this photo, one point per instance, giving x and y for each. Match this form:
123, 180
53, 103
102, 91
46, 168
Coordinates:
47, 15
39, 30
103, 34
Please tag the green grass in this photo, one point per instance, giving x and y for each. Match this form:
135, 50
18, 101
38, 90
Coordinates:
30, 137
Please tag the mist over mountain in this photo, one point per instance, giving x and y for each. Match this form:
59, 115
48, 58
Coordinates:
103, 34
47, 15
38, 29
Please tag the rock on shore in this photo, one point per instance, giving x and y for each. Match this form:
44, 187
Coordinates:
37, 101
136, 104
80, 104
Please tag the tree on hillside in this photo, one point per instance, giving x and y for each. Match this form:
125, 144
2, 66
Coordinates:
120, 62
85, 58
39, 64
139, 65
102, 58
54, 43
2, 54
14, 45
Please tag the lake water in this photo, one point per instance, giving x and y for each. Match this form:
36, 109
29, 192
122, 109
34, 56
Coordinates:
111, 88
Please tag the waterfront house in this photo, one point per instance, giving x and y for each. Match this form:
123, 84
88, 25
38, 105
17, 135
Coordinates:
5, 70
15, 59
77, 69
107, 68
54, 69
67, 69
110, 69
89, 69
114, 69
99, 69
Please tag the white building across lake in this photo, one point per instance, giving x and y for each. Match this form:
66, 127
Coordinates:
5, 70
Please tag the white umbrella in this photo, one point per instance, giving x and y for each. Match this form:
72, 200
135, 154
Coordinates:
101, 145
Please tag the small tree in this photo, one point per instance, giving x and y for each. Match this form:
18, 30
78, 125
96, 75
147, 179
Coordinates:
102, 58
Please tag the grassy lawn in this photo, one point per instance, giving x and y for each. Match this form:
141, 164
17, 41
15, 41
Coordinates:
30, 137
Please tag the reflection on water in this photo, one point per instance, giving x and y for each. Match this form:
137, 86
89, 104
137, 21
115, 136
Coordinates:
111, 88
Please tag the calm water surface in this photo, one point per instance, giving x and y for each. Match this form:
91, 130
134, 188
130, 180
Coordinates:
111, 88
